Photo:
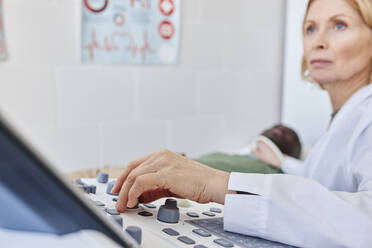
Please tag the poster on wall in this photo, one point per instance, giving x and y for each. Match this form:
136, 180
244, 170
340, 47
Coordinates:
130, 32
3, 54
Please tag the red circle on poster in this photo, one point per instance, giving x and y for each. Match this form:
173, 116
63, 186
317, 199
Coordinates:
166, 7
119, 19
96, 9
166, 30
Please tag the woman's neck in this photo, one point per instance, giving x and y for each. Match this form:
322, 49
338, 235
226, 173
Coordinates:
340, 92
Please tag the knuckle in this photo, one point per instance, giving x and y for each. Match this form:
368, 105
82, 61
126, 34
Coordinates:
131, 178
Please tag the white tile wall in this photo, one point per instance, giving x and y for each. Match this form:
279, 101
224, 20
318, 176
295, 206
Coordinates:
225, 90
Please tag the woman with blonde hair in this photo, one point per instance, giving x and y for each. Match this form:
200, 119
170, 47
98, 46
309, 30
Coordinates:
325, 201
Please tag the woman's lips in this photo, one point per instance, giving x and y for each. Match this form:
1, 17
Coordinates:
320, 63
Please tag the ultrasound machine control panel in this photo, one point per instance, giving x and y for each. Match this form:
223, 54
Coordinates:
169, 222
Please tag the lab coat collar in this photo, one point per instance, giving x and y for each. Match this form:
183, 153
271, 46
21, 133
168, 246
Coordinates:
359, 96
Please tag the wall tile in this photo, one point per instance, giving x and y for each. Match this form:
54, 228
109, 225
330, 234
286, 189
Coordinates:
122, 143
166, 93
92, 95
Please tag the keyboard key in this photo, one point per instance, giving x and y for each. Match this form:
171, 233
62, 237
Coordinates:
223, 242
149, 205
145, 214
210, 214
171, 232
193, 214
200, 246
186, 240
216, 210
99, 204
112, 211
201, 232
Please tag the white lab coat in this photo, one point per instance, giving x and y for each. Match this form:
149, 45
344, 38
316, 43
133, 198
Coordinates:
325, 201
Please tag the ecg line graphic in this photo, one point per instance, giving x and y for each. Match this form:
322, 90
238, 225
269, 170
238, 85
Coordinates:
144, 3
110, 44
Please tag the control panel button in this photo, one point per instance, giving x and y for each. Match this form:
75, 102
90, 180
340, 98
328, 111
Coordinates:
145, 214
201, 232
171, 232
193, 214
216, 210
117, 219
135, 232
99, 204
110, 186
112, 211
186, 240
115, 199
149, 205
210, 214
223, 242
102, 177
200, 246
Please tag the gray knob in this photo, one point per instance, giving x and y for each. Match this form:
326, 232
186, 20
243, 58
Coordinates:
102, 177
110, 186
135, 232
171, 202
117, 219
168, 214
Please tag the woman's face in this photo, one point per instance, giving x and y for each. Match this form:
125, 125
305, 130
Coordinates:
337, 43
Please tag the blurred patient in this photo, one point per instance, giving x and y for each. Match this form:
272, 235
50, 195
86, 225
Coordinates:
279, 140
282, 139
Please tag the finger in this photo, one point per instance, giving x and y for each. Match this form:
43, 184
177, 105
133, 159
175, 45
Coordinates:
131, 166
144, 168
144, 183
153, 195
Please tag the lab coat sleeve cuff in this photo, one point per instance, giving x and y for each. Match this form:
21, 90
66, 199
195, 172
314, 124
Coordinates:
258, 184
246, 214
292, 166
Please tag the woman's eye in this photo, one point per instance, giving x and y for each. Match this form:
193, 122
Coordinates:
310, 30
340, 26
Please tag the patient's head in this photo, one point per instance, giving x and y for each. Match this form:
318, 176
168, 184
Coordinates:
285, 139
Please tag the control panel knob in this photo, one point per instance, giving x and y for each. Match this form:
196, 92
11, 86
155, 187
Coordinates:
171, 202
102, 177
169, 213
135, 232
110, 186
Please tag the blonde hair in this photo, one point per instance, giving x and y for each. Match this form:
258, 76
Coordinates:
363, 7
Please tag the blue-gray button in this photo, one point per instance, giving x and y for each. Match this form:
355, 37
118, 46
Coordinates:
135, 232
200, 246
186, 240
112, 211
201, 232
223, 242
193, 214
99, 204
210, 214
117, 219
216, 210
171, 232
145, 214
149, 205
102, 177
110, 186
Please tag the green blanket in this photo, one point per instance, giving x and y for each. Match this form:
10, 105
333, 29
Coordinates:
237, 163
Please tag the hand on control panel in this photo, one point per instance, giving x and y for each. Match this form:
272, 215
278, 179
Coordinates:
167, 174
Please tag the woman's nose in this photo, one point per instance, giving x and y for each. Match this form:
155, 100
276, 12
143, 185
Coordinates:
321, 41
